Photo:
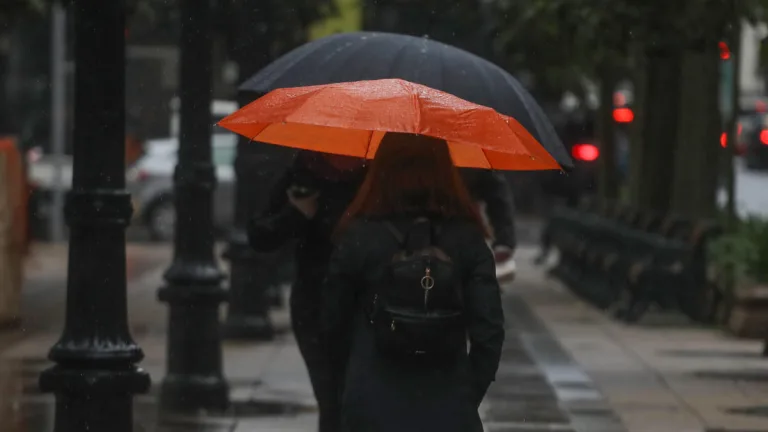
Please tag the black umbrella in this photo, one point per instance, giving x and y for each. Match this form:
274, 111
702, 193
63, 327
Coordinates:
368, 56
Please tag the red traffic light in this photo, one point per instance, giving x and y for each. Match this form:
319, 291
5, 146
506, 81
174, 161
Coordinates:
623, 115
585, 152
725, 52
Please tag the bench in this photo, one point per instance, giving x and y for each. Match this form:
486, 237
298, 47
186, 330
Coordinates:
626, 259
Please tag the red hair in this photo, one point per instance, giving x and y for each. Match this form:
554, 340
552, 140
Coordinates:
412, 174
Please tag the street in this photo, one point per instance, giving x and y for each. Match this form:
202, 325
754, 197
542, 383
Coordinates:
565, 366
751, 198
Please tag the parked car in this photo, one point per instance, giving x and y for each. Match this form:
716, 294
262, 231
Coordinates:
150, 182
754, 138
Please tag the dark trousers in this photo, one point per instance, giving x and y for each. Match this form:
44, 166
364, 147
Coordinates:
306, 318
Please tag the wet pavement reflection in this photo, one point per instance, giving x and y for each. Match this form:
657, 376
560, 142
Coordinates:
23, 408
538, 386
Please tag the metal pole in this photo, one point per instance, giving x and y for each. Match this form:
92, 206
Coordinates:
251, 272
95, 376
58, 117
194, 379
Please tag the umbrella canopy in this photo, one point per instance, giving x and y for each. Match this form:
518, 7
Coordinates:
351, 119
358, 56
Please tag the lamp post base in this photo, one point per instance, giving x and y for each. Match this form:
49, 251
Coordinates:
76, 407
195, 380
248, 310
190, 393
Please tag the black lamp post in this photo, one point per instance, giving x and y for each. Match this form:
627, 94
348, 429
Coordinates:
253, 274
194, 379
95, 376
248, 311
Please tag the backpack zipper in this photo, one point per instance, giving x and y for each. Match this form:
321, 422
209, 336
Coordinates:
427, 283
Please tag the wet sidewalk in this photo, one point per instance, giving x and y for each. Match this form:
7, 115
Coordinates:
565, 367
665, 374
269, 386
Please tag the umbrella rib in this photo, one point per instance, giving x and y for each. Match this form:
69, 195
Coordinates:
481, 70
441, 56
531, 153
370, 140
394, 59
487, 159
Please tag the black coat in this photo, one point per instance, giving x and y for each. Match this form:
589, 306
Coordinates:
493, 188
379, 396
282, 222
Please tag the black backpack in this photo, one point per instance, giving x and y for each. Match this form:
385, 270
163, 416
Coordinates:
417, 308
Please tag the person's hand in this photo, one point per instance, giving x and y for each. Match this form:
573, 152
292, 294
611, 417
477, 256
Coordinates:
307, 205
505, 263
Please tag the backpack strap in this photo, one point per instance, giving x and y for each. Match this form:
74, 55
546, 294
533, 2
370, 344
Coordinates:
395, 232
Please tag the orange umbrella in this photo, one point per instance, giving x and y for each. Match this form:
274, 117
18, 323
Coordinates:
351, 118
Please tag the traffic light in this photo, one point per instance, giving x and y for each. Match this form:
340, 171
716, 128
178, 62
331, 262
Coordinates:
725, 52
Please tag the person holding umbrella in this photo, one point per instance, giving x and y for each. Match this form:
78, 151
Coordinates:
324, 184
354, 56
306, 204
356, 119
413, 231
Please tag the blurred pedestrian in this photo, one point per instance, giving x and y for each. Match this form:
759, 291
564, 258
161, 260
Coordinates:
327, 184
492, 189
411, 280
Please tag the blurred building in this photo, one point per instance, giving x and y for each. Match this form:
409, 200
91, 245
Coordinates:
151, 75
752, 70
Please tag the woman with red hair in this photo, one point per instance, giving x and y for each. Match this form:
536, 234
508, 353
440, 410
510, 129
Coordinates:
412, 208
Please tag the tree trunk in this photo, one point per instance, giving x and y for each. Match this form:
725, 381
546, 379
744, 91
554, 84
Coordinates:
732, 126
608, 181
696, 155
653, 176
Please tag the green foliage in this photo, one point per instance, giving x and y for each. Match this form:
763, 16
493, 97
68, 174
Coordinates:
562, 41
745, 251
559, 39
754, 10
462, 23
348, 18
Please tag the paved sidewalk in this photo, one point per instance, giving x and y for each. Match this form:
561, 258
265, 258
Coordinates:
665, 374
565, 367
270, 390
264, 378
